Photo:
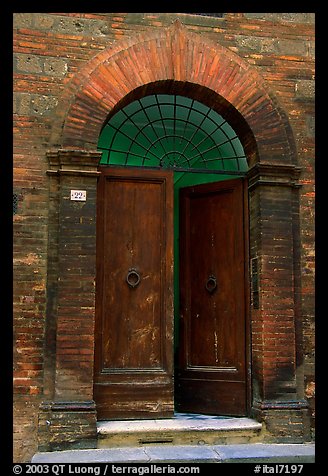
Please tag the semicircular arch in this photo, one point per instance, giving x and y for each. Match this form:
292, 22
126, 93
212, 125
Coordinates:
178, 61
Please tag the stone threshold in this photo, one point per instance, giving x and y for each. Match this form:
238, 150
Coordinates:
176, 424
183, 430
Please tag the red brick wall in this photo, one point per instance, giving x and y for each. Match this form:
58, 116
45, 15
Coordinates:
49, 50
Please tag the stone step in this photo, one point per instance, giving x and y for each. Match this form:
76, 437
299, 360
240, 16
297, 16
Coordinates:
241, 453
178, 431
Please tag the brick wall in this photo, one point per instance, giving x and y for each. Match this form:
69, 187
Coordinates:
49, 50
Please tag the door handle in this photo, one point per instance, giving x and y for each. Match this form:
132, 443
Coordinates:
133, 278
211, 284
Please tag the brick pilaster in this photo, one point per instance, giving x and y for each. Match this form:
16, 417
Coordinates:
71, 311
277, 399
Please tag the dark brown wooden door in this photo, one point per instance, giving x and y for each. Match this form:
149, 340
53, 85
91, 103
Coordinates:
134, 308
212, 363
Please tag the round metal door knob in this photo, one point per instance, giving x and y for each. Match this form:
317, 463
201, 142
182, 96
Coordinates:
211, 284
133, 278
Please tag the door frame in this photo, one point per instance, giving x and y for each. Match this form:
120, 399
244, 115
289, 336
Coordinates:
273, 191
139, 172
247, 284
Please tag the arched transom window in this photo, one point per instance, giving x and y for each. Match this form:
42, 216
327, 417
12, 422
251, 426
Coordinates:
171, 131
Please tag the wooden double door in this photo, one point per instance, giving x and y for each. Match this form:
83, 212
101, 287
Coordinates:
135, 375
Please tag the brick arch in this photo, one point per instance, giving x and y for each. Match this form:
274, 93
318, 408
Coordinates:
181, 57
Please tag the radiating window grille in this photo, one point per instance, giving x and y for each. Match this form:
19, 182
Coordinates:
171, 131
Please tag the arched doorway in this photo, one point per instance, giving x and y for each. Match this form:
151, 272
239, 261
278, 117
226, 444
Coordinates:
220, 79
171, 332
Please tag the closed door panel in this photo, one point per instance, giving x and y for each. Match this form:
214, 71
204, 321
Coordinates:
133, 356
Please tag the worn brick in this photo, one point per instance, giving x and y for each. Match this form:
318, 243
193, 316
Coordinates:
44, 21
291, 47
41, 105
26, 63
55, 67
290, 17
305, 89
23, 20
258, 44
